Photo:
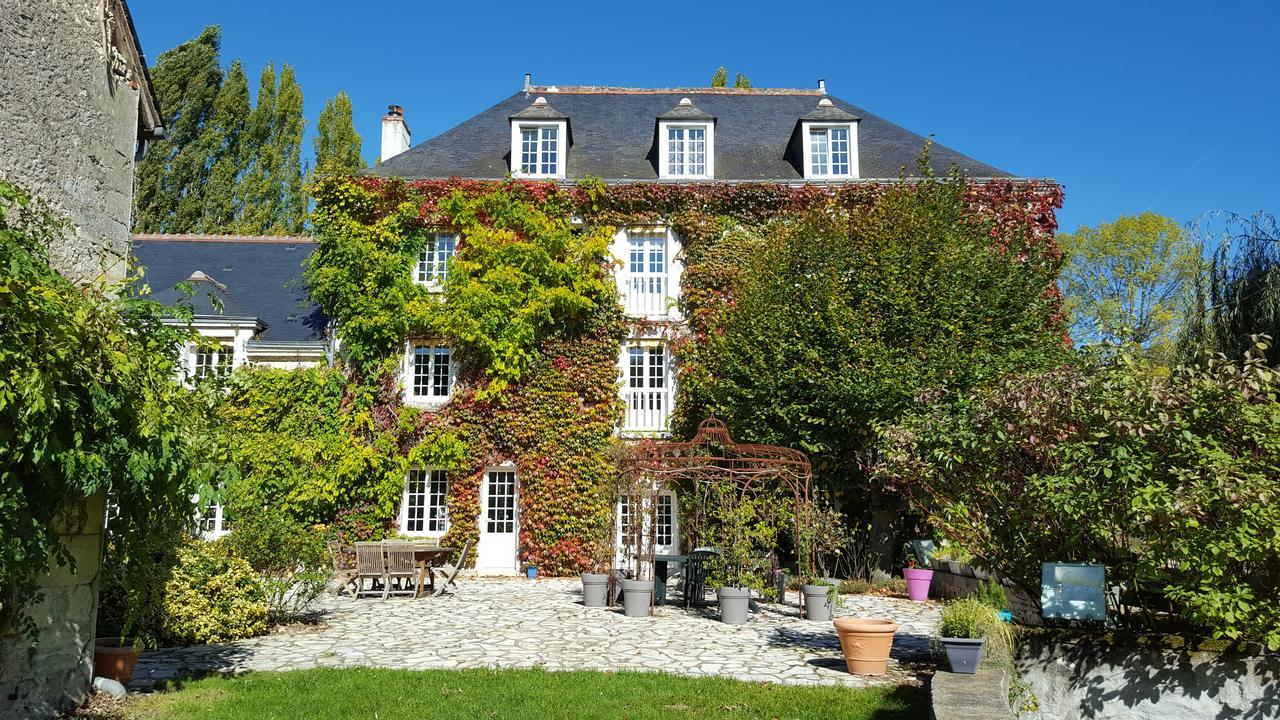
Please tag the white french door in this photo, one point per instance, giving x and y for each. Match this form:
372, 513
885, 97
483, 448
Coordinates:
499, 522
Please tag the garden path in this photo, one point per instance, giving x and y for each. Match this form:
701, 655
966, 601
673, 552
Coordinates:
518, 623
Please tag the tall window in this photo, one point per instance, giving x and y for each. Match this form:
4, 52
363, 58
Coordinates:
212, 362
829, 151
501, 512
539, 150
426, 511
645, 282
687, 151
666, 521
431, 372
646, 367
433, 260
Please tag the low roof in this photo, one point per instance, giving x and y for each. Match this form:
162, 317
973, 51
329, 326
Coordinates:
614, 132
252, 276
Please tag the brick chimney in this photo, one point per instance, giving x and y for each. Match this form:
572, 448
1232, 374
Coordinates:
395, 133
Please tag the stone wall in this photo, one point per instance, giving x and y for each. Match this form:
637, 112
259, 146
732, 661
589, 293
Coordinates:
68, 126
981, 696
947, 585
1076, 675
54, 674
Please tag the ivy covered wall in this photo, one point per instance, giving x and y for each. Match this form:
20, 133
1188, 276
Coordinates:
531, 310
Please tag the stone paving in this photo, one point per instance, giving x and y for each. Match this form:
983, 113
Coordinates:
518, 623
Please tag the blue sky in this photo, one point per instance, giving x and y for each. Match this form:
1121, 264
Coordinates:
1171, 107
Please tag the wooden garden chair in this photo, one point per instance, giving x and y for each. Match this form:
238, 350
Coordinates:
452, 573
342, 567
371, 566
402, 569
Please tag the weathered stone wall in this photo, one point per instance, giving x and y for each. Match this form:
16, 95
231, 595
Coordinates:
947, 585
54, 674
68, 127
981, 696
1075, 675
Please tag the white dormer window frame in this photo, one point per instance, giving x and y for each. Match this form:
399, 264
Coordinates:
544, 145
681, 155
821, 157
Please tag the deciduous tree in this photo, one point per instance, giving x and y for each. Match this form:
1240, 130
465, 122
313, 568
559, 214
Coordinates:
337, 143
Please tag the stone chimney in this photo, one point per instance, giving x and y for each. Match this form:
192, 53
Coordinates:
395, 133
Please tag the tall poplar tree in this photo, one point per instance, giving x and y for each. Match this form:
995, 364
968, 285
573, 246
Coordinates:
227, 132
270, 195
287, 137
337, 144
172, 175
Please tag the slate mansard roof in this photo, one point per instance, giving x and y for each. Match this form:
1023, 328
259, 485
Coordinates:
613, 133
253, 277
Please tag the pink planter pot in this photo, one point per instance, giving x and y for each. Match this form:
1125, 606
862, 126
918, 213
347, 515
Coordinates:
918, 583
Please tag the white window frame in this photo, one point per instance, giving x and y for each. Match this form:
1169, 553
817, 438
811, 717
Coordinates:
806, 130
435, 487
430, 398
221, 361
647, 404
665, 170
211, 521
517, 147
664, 306
622, 528
429, 270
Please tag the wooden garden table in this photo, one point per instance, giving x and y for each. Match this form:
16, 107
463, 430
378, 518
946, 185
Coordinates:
429, 558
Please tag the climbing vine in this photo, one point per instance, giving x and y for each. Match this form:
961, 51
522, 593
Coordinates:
531, 310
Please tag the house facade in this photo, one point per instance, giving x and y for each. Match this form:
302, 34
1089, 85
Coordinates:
688, 136
248, 302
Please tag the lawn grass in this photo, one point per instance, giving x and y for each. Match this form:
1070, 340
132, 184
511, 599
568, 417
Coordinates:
358, 693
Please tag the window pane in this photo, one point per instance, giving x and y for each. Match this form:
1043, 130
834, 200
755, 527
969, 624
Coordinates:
839, 151
529, 150
635, 366
421, 370
818, 151
666, 516
657, 367
549, 142
697, 151
437, 506
440, 372
675, 150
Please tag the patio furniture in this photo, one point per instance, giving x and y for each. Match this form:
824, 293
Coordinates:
662, 575
452, 573
695, 576
343, 567
428, 559
371, 565
401, 569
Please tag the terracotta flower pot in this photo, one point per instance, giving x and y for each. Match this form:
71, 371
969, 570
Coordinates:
866, 644
115, 658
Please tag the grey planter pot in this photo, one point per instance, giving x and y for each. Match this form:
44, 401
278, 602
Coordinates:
637, 597
817, 602
954, 567
735, 604
963, 654
595, 589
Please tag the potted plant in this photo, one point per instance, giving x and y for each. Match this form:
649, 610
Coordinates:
820, 597
637, 597
822, 534
918, 580
968, 630
116, 657
743, 528
865, 644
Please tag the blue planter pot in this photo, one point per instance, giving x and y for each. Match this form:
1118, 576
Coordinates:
532, 572
1006, 616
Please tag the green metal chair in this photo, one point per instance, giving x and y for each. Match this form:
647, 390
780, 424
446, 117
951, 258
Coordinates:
695, 579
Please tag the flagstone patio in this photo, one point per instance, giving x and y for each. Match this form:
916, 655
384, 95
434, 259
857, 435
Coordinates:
517, 623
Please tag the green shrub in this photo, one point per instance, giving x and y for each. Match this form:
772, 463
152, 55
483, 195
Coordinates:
971, 618
893, 586
991, 594
1168, 478
213, 597
289, 557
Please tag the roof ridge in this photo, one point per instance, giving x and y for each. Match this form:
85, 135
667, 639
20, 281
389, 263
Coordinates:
203, 237
616, 90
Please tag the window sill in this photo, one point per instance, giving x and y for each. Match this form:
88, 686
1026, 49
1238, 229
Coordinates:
427, 403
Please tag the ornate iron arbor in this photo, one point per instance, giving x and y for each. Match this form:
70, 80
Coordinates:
711, 457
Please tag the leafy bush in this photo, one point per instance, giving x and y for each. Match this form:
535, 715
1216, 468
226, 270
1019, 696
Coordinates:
889, 586
970, 618
743, 526
289, 557
213, 597
89, 404
1168, 479
362, 523
991, 594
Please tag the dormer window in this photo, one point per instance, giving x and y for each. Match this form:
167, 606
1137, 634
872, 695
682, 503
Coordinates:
539, 139
686, 143
829, 151
828, 139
